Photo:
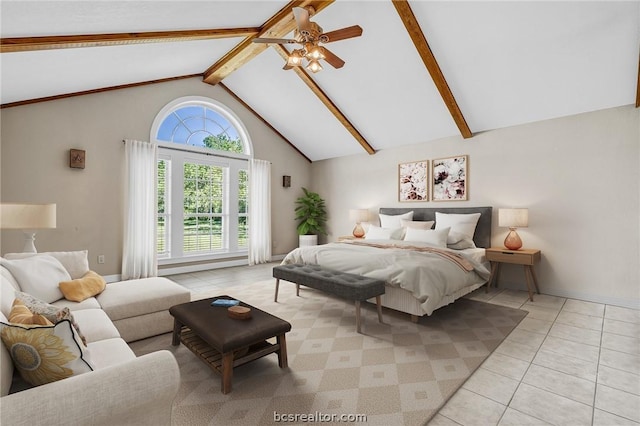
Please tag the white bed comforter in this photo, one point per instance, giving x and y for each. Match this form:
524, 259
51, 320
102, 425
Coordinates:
428, 276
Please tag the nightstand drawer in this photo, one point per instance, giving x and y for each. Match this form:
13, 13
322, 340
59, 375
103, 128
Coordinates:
520, 257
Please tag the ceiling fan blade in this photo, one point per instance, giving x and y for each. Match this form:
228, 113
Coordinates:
332, 59
302, 17
274, 40
341, 34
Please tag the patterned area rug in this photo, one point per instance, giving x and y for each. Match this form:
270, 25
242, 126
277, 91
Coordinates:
397, 372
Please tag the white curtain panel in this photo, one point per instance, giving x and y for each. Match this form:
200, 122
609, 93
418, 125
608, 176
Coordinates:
259, 211
139, 251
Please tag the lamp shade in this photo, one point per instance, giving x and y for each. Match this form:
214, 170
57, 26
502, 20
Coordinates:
359, 215
513, 218
27, 216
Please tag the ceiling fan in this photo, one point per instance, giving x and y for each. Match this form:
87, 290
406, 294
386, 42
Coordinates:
309, 35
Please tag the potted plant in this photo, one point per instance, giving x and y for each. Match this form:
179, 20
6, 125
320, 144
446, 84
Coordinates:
312, 216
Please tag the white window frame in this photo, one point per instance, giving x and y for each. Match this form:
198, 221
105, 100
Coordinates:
178, 154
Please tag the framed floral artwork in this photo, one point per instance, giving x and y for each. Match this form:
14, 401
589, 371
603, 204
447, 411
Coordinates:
413, 181
449, 178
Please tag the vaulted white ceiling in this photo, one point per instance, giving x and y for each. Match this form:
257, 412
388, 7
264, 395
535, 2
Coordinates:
506, 63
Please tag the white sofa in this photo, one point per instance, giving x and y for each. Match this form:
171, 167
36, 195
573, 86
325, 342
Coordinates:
122, 388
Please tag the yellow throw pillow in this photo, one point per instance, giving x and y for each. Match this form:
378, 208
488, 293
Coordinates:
20, 314
77, 290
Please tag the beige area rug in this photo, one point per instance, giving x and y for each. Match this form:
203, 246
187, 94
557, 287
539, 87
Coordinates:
394, 373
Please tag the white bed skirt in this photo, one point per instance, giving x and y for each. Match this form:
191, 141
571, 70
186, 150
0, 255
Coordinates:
404, 301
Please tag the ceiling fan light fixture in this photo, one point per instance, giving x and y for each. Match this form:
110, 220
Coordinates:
295, 58
316, 53
314, 66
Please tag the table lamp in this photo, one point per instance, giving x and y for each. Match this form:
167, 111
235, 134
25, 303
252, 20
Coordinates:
28, 217
358, 216
513, 219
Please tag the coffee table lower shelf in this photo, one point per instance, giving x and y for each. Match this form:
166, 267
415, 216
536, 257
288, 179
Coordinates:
224, 364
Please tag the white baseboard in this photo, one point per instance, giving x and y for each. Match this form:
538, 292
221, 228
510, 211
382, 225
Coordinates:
577, 295
112, 278
201, 267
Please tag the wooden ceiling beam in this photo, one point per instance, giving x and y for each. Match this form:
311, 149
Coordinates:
422, 46
278, 26
311, 84
22, 44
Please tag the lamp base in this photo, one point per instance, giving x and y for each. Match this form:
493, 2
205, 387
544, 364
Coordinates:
358, 231
513, 241
29, 239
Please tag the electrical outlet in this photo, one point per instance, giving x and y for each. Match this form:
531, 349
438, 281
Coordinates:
101, 259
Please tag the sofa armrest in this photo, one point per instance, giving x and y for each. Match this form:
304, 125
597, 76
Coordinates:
137, 392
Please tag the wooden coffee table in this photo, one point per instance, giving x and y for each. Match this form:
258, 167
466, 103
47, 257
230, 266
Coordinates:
224, 343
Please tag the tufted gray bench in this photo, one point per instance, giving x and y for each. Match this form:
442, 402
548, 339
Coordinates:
342, 284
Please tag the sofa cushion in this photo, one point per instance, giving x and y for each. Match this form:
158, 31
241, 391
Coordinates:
132, 298
95, 325
75, 262
90, 303
91, 284
20, 314
45, 354
108, 352
38, 276
7, 294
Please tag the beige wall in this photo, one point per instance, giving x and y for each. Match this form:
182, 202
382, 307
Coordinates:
35, 143
579, 177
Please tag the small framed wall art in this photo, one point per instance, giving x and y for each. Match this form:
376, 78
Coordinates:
76, 158
449, 178
413, 181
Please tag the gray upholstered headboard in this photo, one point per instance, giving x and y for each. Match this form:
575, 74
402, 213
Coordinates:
482, 237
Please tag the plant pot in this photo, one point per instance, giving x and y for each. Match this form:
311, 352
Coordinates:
307, 240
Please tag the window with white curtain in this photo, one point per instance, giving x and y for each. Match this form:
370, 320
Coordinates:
202, 181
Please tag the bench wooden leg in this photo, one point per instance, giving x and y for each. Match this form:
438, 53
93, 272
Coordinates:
297, 289
379, 306
358, 316
275, 298
282, 352
227, 372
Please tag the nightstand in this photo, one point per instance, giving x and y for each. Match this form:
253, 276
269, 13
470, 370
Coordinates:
526, 257
348, 238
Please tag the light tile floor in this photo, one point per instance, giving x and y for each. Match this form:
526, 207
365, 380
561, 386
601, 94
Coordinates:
569, 362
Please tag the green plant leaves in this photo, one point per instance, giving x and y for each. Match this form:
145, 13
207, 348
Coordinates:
312, 214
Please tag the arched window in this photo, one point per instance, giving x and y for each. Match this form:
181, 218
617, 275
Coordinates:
202, 181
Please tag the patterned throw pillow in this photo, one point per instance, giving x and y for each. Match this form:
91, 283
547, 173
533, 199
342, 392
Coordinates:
50, 312
45, 354
20, 314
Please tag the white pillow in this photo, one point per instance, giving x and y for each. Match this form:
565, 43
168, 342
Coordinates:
378, 233
394, 221
39, 276
75, 262
459, 241
417, 224
462, 223
437, 238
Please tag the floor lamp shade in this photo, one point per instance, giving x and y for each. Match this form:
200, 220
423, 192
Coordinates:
359, 216
28, 217
513, 219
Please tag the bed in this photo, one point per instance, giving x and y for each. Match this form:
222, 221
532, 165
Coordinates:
419, 278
